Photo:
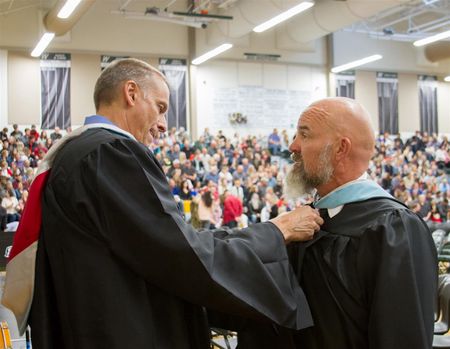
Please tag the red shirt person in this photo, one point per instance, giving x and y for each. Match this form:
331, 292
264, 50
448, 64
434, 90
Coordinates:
232, 209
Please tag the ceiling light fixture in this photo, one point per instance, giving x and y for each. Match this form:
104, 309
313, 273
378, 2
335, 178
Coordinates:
433, 38
68, 8
356, 63
283, 16
211, 54
447, 79
42, 44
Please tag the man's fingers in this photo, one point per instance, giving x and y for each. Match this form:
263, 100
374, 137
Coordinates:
319, 220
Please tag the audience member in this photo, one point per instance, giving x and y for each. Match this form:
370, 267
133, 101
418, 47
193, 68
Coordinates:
232, 210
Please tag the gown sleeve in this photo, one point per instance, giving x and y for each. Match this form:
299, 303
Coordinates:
398, 268
244, 272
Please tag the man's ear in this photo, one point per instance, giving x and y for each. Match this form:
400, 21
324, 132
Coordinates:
130, 90
344, 147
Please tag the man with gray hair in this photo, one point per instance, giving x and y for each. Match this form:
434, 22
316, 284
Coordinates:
370, 274
116, 264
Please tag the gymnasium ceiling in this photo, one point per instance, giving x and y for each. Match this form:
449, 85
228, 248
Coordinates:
405, 22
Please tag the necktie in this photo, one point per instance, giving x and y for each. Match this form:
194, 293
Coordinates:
323, 212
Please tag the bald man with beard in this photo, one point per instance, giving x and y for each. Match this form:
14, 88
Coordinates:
370, 274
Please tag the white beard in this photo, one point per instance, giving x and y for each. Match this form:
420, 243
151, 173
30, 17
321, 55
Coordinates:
293, 186
299, 182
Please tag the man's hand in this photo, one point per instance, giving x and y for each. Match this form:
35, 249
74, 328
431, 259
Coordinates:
299, 224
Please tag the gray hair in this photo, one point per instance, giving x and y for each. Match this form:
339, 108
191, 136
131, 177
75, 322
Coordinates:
119, 71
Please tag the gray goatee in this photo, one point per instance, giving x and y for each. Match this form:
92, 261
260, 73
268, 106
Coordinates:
299, 181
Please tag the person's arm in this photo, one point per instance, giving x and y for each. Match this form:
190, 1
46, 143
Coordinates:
398, 271
246, 273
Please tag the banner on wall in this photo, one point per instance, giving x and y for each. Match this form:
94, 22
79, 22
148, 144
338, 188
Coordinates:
55, 90
175, 71
345, 84
428, 85
387, 88
105, 60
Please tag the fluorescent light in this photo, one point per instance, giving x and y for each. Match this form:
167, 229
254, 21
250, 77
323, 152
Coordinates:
68, 8
447, 78
42, 44
212, 53
283, 16
356, 63
433, 38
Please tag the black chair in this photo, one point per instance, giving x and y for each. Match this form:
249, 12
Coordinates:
445, 227
442, 326
443, 279
439, 238
444, 253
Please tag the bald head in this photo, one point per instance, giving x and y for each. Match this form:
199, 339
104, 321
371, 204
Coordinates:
344, 117
334, 142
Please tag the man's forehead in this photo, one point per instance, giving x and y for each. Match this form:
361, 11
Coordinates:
159, 88
304, 121
315, 114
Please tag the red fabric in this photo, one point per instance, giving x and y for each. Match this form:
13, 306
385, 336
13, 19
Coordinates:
436, 219
35, 134
30, 222
232, 209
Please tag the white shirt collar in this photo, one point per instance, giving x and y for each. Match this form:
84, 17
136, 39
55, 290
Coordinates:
336, 210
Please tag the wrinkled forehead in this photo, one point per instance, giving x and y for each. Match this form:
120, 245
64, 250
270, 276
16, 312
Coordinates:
316, 115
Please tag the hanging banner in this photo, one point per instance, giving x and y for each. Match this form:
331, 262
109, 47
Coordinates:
106, 60
175, 71
55, 90
345, 84
428, 86
387, 89
387, 77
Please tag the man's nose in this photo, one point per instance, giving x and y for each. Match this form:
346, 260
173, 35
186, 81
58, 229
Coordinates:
295, 147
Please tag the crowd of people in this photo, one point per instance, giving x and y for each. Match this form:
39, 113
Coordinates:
235, 181
208, 175
416, 172
21, 151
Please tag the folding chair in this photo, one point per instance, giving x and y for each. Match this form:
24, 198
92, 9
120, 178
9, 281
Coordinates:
439, 238
443, 279
444, 253
442, 326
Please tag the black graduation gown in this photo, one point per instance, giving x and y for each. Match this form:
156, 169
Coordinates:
370, 280
117, 267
